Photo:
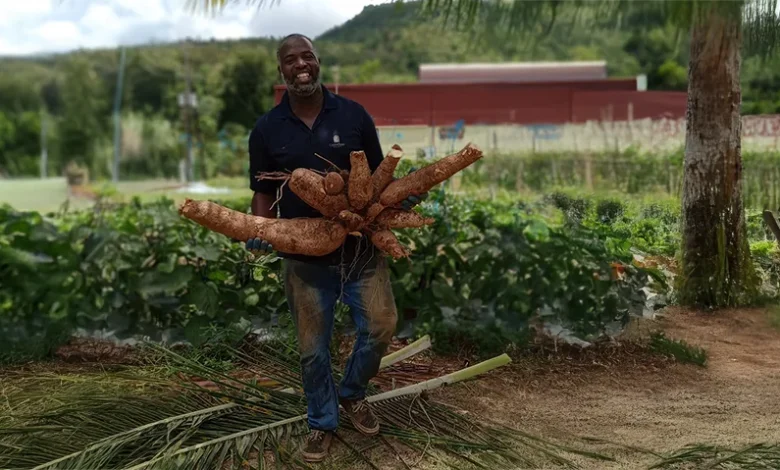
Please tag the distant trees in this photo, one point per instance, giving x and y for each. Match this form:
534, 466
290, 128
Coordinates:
83, 122
716, 269
245, 85
234, 81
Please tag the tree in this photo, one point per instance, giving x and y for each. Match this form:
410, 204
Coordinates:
149, 75
246, 87
85, 109
7, 139
716, 267
716, 259
20, 143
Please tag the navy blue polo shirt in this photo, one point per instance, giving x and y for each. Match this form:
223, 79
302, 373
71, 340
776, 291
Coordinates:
280, 141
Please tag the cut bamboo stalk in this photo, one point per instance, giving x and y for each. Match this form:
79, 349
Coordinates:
394, 358
432, 384
406, 352
458, 376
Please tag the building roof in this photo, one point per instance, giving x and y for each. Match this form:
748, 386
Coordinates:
512, 72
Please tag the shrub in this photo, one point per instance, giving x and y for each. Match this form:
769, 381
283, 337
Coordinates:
484, 272
131, 269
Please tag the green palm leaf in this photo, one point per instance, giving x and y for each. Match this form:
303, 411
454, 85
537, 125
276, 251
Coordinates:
189, 427
754, 456
516, 20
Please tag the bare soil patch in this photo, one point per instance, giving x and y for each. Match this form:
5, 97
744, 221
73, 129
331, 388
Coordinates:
658, 406
615, 392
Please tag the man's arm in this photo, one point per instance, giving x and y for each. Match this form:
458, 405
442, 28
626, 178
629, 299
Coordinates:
371, 144
265, 190
261, 205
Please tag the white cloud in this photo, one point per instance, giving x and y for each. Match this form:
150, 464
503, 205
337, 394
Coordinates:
149, 10
40, 26
58, 32
231, 30
14, 12
99, 24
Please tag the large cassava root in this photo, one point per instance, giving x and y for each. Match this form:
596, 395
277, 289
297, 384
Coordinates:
384, 173
397, 218
354, 202
310, 187
305, 236
422, 180
360, 188
386, 242
353, 222
334, 184
373, 211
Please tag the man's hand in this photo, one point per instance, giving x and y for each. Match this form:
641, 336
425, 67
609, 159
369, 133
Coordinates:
411, 201
259, 247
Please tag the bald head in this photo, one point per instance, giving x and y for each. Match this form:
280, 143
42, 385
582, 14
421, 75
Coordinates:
289, 40
299, 65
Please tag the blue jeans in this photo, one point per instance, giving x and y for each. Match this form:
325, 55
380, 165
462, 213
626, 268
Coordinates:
312, 292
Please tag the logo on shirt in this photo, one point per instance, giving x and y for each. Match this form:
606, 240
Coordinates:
336, 140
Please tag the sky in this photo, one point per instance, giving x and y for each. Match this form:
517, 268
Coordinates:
42, 26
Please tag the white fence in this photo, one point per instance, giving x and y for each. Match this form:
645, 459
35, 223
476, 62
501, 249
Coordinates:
759, 133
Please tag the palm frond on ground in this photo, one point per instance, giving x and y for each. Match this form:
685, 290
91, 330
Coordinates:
239, 422
762, 456
34, 391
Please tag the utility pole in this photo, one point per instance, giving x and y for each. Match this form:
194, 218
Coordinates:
44, 149
117, 116
187, 102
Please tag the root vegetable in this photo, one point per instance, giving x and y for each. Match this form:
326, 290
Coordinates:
354, 202
422, 180
354, 222
396, 218
310, 187
360, 187
373, 211
386, 241
334, 184
384, 172
304, 236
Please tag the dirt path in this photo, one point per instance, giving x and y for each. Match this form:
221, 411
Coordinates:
733, 401
623, 395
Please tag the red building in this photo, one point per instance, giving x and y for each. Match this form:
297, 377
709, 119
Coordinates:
462, 93
513, 72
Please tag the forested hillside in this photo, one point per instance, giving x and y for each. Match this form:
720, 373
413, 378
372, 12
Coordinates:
234, 81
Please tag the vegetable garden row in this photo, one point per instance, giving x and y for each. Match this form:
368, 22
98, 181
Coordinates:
484, 274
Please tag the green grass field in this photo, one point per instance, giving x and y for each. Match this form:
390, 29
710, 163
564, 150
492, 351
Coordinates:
37, 195
50, 194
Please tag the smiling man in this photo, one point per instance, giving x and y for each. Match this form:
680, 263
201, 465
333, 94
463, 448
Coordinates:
311, 120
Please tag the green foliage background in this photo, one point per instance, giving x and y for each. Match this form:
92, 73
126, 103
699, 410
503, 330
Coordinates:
483, 272
74, 92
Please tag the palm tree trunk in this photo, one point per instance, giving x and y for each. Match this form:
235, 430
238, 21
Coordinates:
716, 263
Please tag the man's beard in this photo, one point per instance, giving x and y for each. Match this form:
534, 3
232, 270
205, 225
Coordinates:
303, 90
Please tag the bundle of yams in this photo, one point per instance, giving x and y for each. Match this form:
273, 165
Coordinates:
351, 202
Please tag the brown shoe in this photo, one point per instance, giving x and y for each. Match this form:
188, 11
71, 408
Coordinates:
361, 416
317, 446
